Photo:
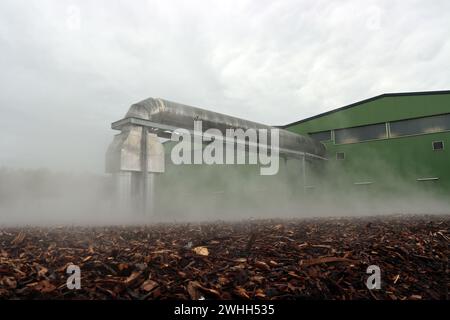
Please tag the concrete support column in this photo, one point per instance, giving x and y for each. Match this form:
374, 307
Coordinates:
149, 194
123, 182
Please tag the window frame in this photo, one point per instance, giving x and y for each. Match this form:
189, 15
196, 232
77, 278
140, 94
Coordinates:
438, 141
340, 152
416, 134
328, 140
362, 126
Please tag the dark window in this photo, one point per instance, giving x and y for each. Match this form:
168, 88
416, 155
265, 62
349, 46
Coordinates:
420, 126
321, 136
438, 145
358, 134
340, 156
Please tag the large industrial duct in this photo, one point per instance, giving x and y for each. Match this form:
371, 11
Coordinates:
137, 154
177, 115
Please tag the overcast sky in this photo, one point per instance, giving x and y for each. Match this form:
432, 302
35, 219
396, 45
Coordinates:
70, 68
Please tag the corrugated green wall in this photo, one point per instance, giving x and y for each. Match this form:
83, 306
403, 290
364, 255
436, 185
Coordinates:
394, 163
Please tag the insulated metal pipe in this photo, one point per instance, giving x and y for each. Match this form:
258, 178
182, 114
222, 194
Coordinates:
169, 115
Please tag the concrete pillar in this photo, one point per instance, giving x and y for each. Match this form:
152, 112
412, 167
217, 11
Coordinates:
123, 183
134, 158
150, 199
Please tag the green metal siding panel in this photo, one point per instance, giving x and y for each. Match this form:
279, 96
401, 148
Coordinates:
394, 163
381, 110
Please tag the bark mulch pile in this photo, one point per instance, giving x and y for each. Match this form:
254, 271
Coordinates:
267, 259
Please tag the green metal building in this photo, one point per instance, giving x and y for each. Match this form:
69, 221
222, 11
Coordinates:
387, 154
391, 142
